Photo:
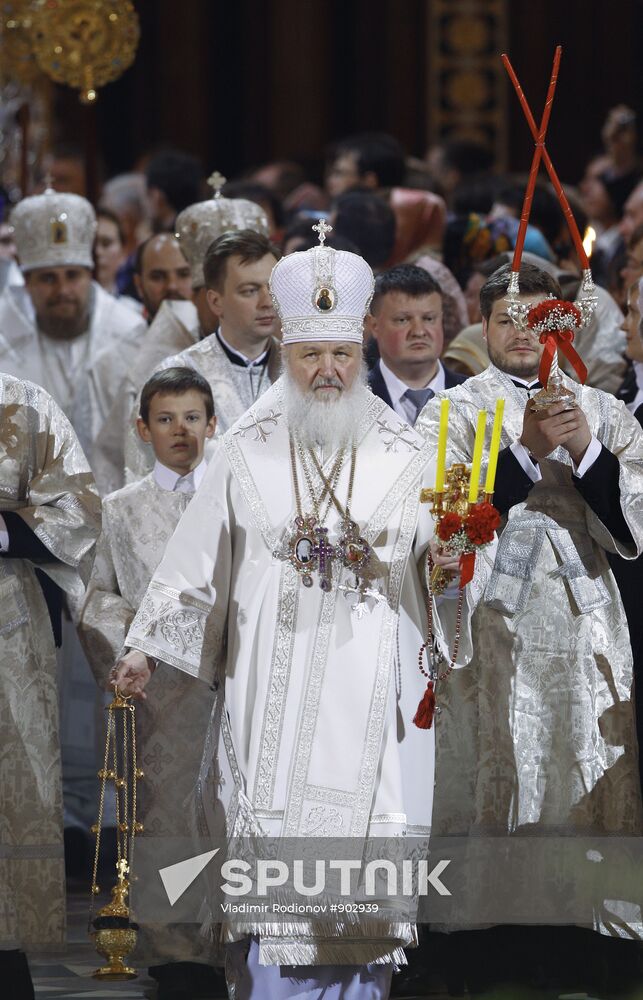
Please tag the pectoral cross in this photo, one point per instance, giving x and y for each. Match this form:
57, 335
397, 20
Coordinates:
324, 552
321, 229
216, 182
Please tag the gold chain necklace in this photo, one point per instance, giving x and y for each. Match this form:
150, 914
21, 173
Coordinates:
309, 549
329, 484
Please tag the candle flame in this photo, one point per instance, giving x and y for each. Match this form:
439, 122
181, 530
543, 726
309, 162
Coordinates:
588, 240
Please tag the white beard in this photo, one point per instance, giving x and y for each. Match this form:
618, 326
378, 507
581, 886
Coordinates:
328, 422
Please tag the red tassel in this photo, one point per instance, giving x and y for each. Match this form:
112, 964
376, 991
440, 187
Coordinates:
423, 718
467, 567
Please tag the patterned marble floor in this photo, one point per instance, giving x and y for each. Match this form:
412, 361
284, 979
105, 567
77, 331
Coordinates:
69, 976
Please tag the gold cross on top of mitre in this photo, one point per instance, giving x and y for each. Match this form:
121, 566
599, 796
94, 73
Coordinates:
216, 182
322, 228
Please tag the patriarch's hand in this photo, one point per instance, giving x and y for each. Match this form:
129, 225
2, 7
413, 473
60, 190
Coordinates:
131, 674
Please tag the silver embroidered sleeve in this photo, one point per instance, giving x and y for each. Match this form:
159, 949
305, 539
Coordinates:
60, 503
178, 629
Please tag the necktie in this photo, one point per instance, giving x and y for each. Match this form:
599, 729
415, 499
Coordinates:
419, 398
185, 484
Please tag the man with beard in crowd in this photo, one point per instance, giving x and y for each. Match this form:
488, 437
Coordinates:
53, 328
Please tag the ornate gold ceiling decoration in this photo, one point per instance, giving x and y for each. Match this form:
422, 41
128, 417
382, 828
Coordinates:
81, 43
467, 89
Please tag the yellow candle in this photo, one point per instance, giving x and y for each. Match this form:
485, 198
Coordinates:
495, 446
442, 446
474, 481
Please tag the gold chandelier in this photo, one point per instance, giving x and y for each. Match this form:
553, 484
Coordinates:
82, 43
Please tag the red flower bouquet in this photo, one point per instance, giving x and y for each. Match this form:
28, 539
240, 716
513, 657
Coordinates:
463, 536
555, 320
448, 526
481, 522
553, 315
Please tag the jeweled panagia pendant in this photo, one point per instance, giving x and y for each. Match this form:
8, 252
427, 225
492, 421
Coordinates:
354, 550
302, 548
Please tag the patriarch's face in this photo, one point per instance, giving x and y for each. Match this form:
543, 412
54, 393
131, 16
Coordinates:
323, 368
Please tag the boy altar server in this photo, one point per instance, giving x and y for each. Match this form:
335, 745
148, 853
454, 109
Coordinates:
176, 418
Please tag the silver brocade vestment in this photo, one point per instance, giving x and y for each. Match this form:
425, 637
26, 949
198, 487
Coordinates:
64, 368
45, 478
316, 738
537, 734
138, 522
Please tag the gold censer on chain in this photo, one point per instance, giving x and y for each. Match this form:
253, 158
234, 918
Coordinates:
112, 929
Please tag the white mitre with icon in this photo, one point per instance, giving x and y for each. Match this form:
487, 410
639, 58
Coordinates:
54, 229
322, 293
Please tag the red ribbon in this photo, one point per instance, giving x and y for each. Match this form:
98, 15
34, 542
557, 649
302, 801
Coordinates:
423, 718
554, 339
467, 566
558, 187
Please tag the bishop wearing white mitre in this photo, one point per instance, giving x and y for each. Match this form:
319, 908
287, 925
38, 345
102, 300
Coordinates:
55, 326
293, 580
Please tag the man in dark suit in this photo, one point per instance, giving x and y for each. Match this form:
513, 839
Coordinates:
405, 321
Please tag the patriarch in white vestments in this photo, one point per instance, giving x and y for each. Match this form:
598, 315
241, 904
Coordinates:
292, 581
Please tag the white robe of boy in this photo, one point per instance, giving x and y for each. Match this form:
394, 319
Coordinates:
138, 522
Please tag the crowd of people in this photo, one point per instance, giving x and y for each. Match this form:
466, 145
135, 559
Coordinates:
217, 408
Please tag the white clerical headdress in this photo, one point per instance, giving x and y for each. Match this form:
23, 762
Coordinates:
54, 230
199, 225
322, 294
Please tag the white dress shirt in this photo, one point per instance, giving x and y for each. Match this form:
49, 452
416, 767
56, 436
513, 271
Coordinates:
397, 388
173, 482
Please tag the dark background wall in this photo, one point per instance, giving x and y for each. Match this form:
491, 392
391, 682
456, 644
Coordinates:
244, 81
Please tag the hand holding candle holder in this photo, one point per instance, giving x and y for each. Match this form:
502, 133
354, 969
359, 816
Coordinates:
112, 930
466, 521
